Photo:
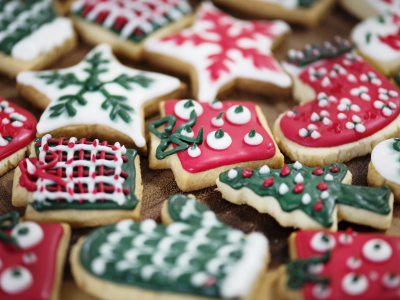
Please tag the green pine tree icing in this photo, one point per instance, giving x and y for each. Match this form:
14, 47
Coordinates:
19, 19
322, 203
97, 65
194, 255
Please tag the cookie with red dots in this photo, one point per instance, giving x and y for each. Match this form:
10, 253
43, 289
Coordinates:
364, 9
32, 258
83, 183
347, 106
308, 198
17, 131
342, 265
198, 140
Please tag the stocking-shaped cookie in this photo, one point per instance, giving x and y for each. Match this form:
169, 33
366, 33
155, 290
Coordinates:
308, 198
32, 36
79, 182
32, 258
17, 131
341, 265
195, 256
220, 52
201, 140
352, 107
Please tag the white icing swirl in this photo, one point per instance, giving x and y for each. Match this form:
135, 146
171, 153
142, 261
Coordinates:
385, 159
239, 118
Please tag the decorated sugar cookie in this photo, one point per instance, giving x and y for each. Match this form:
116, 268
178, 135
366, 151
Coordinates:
97, 98
126, 24
195, 255
32, 36
17, 131
384, 168
351, 107
201, 140
32, 258
304, 12
341, 265
220, 52
79, 182
309, 198
364, 9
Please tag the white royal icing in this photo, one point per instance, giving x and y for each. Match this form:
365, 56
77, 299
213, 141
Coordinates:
216, 104
306, 199
298, 178
217, 122
386, 161
354, 287
232, 174
219, 144
253, 141
318, 244
353, 263
264, 170
391, 281
184, 113
297, 165
27, 234
377, 250
239, 118
194, 152
287, 4
345, 239
11, 283
321, 291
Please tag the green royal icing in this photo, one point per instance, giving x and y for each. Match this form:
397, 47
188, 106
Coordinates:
97, 66
368, 198
150, 256
8, 221
306, 3
397, 78
129, 183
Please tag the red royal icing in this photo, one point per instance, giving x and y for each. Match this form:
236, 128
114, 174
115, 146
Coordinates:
336, 268
21, 136
393, 40
42, 270
268, 182
247, 173
237, 152
337, 84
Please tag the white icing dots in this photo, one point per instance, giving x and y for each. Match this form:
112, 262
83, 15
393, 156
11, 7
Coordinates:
238, 114
391, 280
216, 104
15, 280
219, 140
328, 177
353, 263
325, 195
187, 131
27, 234
297, 165
264, 170
322, 242
232, 174
315, 269
298, 178
306, 199
345, 239
217, 122
194, 151
253, 138
29, 258
377, 250
283, 189
184, 107
321, 291
354, 284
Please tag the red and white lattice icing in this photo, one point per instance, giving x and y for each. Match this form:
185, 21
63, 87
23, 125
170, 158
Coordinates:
221, 48
361, 266
61, 174
353, 101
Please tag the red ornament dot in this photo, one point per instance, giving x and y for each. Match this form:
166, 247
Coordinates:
71, 145
247, 173
323, 186
268, 182
285, 171
46, 147
334, 169
318, 205
298, 188
318, 171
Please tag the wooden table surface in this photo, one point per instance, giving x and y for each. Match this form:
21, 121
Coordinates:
159, 184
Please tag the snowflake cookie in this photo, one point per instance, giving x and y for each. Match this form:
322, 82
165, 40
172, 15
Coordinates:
308, 198
98, 98
32, 258
126, 24
220, 52
78, 182
364, 9
343, 265
351, 107
201, 140
304, 12
32, 36
193, 255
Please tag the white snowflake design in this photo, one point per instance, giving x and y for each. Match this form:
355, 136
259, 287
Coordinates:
370, 77
361, 92
356, 124
386, 108
324, 100
346, 104
310, 131
384, 94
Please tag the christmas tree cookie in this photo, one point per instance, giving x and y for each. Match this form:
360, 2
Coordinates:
32, 258
17, 131
201, 140
32, 36
341, 265
364, 9
195, 256
220, 52
304, 12
78, 182
351, 107
308, 198
384, 168
98, 98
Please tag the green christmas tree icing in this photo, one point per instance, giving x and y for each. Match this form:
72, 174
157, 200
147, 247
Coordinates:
315, 191
197, 254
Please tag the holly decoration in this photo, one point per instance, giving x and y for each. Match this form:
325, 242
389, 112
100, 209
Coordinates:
8, 221
315, 191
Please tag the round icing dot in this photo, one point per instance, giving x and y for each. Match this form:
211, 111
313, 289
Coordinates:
354, 284
217, 122
283, 189
219, 140
9, 110
253, 138
345, 239
306, 199
298, 178
232, 174
184, 107
29, 258
238, 114
148, 226
353, 262
187, 133
27, 234
194, 151
373, 275
199, 278
315, 269
341, 116
17, 124
264, 170
321, 291
325, 195
5, 121
391, 280
297, 165
328, 177
377, 250
322, 242
15, 280
124, 225
216, 104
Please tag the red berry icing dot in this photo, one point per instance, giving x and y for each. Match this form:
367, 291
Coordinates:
323, 186
285, 171
318, 171
268, 182
318, 205
247, 173
298, 188
334, 169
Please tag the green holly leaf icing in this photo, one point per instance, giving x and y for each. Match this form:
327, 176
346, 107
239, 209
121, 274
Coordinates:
197, 254
368, 198
306, 3
8, 221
